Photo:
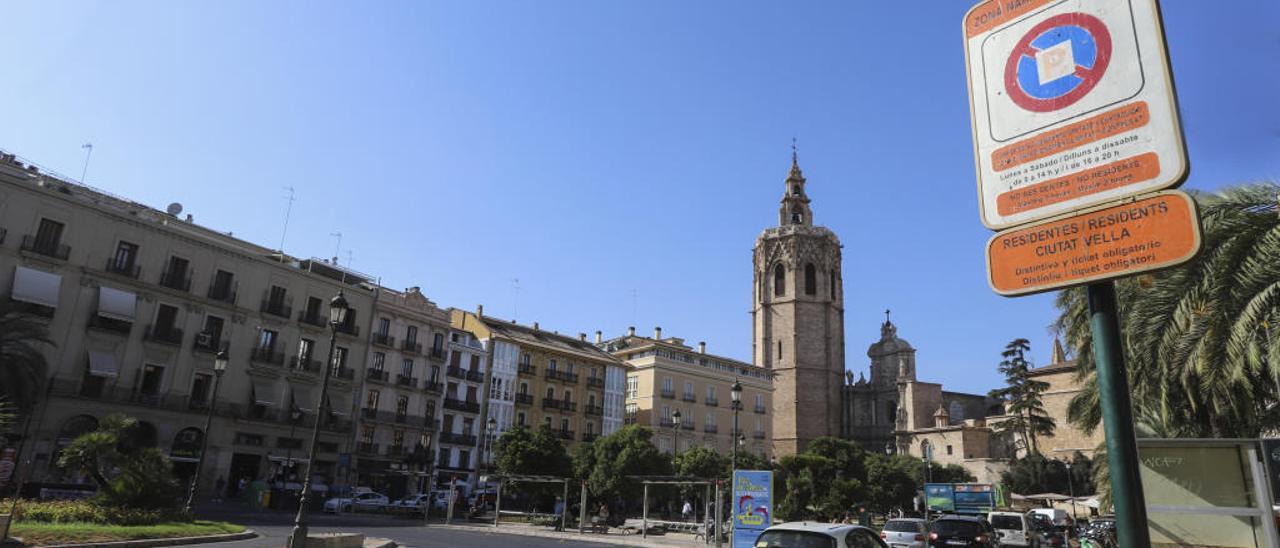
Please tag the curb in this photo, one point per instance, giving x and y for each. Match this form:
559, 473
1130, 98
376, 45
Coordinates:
381, 543
171, 541
621, 540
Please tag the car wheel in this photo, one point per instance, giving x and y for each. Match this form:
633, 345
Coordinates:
346, 508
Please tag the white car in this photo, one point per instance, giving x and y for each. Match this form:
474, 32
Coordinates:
362, 502
905, 533
1013, 529
811, 534
411, 504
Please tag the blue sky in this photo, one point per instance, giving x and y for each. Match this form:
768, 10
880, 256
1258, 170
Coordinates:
592, 150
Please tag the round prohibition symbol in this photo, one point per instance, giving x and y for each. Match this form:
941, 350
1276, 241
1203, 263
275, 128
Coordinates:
1057, 62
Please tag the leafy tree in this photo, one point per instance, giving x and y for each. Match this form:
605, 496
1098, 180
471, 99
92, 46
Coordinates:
893, 481
1037, 474
22, 363
1027, 415
127, 472
949, 473
701, 462
611, 459
537, 453
1202, 340
827, 479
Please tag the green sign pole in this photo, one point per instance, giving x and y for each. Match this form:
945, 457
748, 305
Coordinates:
1117, 417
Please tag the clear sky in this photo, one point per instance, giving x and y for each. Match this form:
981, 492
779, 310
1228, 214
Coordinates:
592, 150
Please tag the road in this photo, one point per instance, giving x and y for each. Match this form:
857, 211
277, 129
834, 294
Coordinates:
273, 529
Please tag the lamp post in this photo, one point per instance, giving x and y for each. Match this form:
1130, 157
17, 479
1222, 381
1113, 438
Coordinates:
735, 403
219, 367
928, 474
490, 427
337, 316
675, 432
1071, 488
294, 415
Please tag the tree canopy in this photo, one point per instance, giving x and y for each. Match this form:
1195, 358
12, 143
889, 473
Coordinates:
1022, 397
606, 462
520, 451
127, 471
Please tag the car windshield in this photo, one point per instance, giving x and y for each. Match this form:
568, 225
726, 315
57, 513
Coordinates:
957, 527
1006, 522
794, 539
902, 526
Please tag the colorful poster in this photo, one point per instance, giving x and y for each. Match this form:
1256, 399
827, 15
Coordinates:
940, 497
752, 505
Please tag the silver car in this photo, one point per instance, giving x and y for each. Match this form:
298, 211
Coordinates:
905, 533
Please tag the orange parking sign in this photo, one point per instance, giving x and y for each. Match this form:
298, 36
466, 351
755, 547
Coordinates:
1148, 233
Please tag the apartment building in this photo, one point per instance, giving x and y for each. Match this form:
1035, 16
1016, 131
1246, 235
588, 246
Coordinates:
138, 303
668, 376
401, 392
541, 377
462, 429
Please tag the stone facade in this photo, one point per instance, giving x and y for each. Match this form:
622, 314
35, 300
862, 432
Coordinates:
798, 320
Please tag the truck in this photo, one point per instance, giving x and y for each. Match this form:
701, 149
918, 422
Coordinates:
975, 499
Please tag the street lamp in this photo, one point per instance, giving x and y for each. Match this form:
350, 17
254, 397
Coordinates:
928, 475
675, 432
219, 367
338, 310
490, 428
735, 403
1071, 488
294, 415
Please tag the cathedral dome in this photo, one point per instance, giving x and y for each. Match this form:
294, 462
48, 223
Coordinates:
889, 342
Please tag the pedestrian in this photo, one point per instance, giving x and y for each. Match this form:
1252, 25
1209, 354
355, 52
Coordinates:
241, 485
686, 511
864, 517
218, 487
558, 511
602, 519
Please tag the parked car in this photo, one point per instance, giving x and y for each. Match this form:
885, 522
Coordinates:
806, 534
410, 504
1059, 517
905, 533
948, 531
1015, 529
367, 501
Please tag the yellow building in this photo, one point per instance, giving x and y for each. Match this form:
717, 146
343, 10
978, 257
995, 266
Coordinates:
540, 377
667, 375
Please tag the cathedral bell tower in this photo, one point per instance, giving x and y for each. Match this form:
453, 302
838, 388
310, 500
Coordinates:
798, 320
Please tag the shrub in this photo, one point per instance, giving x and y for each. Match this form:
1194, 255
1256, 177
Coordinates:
88, 511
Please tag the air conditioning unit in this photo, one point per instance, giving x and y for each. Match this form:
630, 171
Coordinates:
204, 338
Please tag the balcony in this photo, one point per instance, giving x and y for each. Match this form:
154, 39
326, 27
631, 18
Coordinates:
588, 437
349, 329
668, 394
689, 397
596, 410
344, 373
267, 356
630, 419
475, 376
758, 434
759, 409
710, 428
276, 308
49, 249
164, 334
433, 386
224, 293
122, 268
711, 402
402, 418
456, 372
565, 434
314, 319
524, 399
437, 353
457, 439
180, 281
370, 414
383, 339
302, 363
376, 375
528, 369
687, 425
110, 324
402, 380
429, 423
395, 451
367, 448
206, 343
595, 382
563, 405
412, 347
462, 405
565, 376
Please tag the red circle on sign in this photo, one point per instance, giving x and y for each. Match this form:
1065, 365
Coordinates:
1090, 76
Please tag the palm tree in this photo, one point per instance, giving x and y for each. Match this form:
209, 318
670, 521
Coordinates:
22, 362
1202, 341
1027, 415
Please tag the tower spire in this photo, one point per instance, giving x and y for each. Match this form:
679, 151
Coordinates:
795, 204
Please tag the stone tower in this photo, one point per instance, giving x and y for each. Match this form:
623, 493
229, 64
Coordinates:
798, 320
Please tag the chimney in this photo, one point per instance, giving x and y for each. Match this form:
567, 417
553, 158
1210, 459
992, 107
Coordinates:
941, 418
599, 337
657, 333
582, 337
702, 347
535, 326
631, 331
479, 310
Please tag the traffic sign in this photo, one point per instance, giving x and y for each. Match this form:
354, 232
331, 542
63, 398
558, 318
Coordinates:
1105, 242
1072, 106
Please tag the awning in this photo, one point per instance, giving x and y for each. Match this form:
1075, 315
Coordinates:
103, 364
36, 286
339, 409
304, 397
116, 304
263, 393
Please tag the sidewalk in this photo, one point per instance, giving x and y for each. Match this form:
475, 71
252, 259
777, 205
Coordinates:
613, 537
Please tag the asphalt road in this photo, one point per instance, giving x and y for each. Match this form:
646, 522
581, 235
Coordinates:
273, 529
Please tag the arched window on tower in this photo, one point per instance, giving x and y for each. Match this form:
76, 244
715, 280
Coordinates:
779, 281
796, 218
832, 288
810, 279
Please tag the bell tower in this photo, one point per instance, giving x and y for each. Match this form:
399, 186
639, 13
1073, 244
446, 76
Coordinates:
798, 320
